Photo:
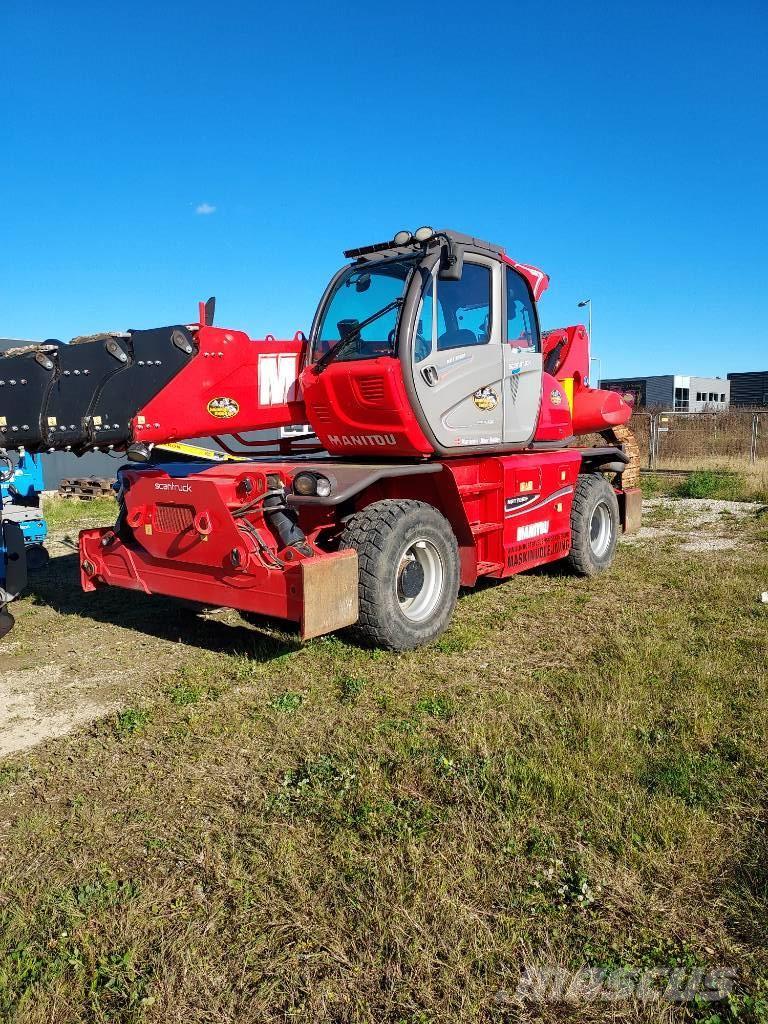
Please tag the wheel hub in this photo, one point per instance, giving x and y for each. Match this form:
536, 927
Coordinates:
419, 580
600, 530
411, 579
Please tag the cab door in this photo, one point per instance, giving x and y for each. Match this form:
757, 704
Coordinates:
522, 361
457, 356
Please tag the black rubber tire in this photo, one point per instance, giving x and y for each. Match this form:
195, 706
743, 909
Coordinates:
37, 558
592, 490
380, 533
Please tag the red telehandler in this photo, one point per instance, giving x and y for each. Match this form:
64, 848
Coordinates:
442, 446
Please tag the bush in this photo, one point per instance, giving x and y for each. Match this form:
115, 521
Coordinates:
707, 483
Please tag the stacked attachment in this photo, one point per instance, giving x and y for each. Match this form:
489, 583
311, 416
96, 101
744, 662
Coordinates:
84, 395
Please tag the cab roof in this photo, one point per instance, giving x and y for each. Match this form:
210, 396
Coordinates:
537, 279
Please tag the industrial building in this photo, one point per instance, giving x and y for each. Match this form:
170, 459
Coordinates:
674, 392
749, 389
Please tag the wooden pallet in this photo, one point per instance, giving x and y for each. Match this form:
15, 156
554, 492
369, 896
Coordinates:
86, 487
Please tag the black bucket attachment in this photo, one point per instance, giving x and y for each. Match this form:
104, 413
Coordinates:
85, 394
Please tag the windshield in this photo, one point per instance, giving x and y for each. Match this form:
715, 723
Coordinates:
360, 293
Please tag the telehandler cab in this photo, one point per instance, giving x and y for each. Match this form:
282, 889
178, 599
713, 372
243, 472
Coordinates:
443, 425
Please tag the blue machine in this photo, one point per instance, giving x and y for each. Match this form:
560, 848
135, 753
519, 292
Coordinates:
22, 527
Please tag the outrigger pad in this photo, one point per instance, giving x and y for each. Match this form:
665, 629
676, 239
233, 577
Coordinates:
85, 394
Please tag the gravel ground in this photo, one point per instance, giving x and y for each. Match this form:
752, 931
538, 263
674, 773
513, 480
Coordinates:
698, 524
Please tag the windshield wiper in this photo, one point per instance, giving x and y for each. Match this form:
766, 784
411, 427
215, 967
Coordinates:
340, 346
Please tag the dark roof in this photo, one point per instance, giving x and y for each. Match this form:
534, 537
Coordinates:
388, 250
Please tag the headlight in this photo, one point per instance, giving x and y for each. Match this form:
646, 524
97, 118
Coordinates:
305, 484
308, 484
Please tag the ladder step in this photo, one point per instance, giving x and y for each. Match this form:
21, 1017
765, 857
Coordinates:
478, 488
480, 528
487, 568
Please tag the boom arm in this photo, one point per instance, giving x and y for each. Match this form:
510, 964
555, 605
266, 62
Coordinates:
153, 386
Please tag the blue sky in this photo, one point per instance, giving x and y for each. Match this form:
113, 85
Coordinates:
621, 147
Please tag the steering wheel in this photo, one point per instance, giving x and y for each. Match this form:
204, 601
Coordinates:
7, 469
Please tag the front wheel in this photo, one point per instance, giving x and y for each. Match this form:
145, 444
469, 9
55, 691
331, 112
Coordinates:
408, 561
594, 525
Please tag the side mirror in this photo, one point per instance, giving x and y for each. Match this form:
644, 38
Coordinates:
451, 262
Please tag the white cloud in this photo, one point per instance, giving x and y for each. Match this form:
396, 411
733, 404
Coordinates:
205, 208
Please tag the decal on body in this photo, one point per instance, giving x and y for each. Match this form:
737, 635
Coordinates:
485, 399
362, 440
531, 530
223, 408
277, 378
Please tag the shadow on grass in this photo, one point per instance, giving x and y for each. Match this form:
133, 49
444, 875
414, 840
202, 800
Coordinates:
166, 618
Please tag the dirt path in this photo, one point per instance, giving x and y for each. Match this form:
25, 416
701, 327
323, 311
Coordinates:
73, 658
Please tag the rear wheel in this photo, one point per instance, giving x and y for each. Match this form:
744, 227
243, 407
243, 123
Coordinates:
408, 572
594, 525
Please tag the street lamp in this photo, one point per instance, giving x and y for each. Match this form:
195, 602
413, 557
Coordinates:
582, 304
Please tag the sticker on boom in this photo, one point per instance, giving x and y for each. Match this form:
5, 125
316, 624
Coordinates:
223, 408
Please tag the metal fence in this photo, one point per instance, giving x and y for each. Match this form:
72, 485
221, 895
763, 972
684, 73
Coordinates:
677, 440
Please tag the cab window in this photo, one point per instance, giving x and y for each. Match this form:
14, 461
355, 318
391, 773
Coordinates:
464, 309
522, 329
422, 346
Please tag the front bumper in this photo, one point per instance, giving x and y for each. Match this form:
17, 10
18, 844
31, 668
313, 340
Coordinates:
319, 593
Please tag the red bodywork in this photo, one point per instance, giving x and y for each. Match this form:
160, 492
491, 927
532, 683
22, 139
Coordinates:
361, 406
182, 536
257, 380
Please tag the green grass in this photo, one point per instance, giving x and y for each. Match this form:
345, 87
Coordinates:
574, 774
64, 512
706, 483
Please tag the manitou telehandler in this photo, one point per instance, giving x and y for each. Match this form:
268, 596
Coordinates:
443, 424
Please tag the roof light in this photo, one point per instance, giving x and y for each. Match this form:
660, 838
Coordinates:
402, 238
424, 234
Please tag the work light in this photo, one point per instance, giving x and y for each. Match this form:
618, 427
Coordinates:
308, 484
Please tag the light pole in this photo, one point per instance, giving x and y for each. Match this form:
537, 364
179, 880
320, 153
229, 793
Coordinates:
582, 304
598, 360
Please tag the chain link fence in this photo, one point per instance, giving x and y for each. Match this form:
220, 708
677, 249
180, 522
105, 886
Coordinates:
677, 440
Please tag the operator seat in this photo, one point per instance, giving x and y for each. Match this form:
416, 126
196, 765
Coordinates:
457, 339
